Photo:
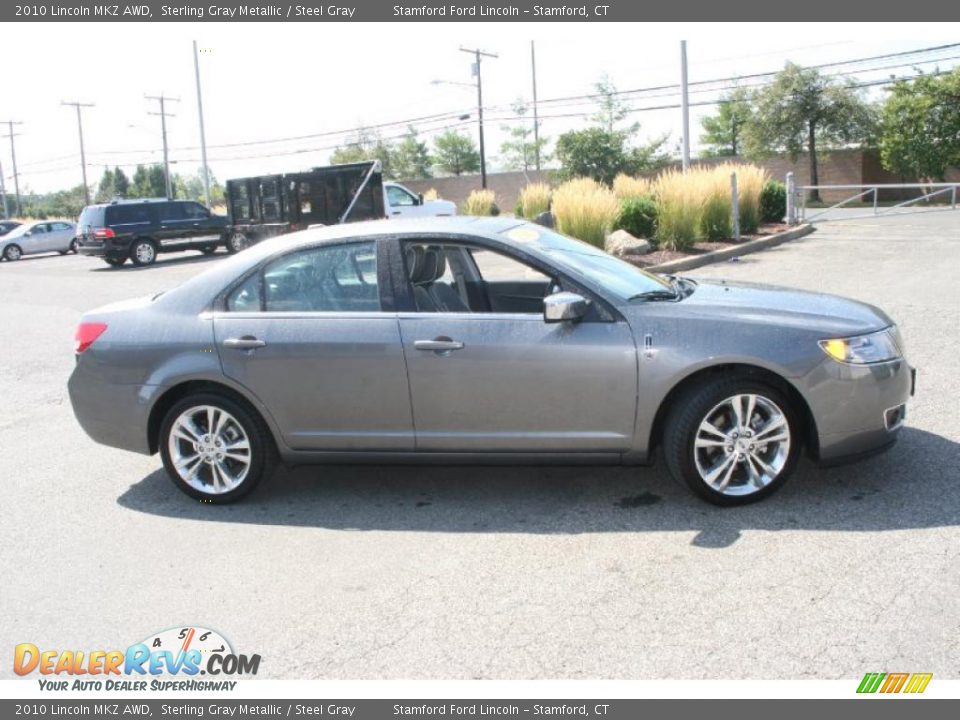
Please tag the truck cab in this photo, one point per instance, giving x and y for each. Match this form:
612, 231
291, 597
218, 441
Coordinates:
399, 201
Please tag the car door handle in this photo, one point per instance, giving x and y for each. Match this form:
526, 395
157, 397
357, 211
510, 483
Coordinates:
247, 342
438, 345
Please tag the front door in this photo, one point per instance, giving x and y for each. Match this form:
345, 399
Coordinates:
488, 375
307, 337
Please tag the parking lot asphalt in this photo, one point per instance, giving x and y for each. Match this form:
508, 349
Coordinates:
510, 573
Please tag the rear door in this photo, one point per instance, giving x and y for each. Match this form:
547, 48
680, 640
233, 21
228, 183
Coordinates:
61, 235
307, 335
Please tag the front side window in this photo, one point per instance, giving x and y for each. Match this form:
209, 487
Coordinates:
333, 278
398, 197
195, 211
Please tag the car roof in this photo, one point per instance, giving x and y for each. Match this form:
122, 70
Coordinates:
457, 224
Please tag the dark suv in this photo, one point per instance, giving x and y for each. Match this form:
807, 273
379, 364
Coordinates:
139, 229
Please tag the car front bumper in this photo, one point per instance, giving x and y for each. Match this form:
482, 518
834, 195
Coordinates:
858, 409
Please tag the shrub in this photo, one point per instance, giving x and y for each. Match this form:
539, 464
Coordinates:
480, 202
431, 194
534, 199
716, 213
638, 216
586, 210
750, 183
679, 204
631, 188
773, 202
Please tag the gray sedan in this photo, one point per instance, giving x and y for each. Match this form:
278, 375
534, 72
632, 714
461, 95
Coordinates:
483, 340
38, 237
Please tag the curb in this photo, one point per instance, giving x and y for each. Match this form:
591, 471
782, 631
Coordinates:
732, 252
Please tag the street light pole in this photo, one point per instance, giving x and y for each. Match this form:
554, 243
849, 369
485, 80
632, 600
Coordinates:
477, 53
83, 157
536, 122
685, 105
203, 137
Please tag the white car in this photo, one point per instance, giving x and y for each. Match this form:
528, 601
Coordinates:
398, 201
39, 237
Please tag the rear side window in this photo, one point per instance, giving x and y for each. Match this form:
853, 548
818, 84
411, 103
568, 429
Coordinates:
171, 211
92, 216
325, 279
128, 214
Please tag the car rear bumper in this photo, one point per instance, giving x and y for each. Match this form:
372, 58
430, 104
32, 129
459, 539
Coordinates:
103, 250
859, 410
110, 413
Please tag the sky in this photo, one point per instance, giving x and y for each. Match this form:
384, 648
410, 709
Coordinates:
289, 80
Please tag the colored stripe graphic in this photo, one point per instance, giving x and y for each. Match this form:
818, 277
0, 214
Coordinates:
870, 682
894, 682
918, 682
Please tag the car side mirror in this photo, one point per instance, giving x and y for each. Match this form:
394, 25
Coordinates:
564, 307
419, 198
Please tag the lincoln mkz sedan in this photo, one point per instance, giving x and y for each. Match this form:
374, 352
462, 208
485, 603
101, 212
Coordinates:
483, 340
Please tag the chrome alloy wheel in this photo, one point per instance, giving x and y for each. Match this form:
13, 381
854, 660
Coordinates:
144, 252
742, 445
210, 450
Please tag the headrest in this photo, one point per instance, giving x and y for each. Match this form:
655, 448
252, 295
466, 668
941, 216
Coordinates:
441, 267
414, 256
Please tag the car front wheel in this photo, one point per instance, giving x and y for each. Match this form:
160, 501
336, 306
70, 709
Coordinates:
732, 442
215, 449
12, 253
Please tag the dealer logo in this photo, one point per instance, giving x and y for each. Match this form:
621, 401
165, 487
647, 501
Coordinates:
179, 651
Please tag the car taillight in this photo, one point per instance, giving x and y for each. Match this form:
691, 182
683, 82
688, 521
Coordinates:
87, 333
103, 233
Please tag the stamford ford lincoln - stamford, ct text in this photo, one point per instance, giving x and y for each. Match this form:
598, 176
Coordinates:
483, 340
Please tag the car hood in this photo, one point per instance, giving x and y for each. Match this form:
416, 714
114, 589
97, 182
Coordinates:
785, 307
441, 207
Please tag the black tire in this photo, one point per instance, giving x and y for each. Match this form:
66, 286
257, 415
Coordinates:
115, 262
12, 253
143, 252
694, 407
236, 242
208, 249
262, 455
73, 247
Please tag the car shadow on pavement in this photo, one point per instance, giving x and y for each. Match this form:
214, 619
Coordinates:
914, 485
163, 260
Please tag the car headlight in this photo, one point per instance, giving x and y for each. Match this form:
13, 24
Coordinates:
863, 349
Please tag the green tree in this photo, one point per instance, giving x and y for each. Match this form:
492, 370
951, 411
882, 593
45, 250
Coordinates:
520, 151
107, 188
366, 145
148, 182
602, 155
611, 108
455, 153
920, 126
723, 132
121, 184
411, 158
803, 110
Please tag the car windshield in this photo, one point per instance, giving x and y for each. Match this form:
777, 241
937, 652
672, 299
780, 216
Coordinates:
620, 278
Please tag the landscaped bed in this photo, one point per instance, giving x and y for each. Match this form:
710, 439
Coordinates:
658, 257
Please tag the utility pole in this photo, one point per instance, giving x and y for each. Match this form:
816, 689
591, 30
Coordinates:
685, 105
3, 192
163, 128
203, 137
536, 121
483, 158
13, 156
83, 157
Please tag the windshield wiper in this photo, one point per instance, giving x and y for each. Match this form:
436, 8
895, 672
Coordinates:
656, 295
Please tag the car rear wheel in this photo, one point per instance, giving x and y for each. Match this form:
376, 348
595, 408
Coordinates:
215, 449
237, 242
143, 252
114, 262
73, 247
732, 442
12, 252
